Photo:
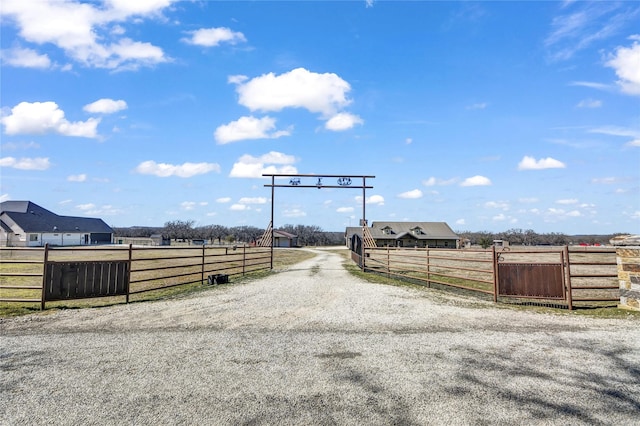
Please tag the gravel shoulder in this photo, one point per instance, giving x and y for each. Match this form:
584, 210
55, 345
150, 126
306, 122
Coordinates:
315, 345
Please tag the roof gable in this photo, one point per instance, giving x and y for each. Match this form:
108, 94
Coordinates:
30, 217
428, 230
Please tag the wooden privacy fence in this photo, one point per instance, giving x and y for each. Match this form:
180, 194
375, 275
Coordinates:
554, 274
39, 275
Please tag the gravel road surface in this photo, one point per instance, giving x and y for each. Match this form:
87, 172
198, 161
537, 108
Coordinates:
314, 345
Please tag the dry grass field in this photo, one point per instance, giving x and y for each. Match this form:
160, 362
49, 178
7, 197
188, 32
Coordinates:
167, 272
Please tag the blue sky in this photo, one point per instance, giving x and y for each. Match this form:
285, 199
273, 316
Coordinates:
485, 115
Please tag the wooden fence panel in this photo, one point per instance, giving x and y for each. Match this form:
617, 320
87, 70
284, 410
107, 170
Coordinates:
80, 280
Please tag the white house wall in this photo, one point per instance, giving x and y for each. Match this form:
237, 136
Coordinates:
61, 239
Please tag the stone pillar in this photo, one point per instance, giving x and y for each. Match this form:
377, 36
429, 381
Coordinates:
628, 259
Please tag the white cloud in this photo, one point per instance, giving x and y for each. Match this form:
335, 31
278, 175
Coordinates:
125, 8
237, 79
185, 170
248, 128
318, 93
344, 210
46, 117
461, 222
592, 85
188, 205
476, 181
25, 58
585, 24
481, 105
223, 200
85, 31
589, 103
528, 200
432, 181
14, 146
502, 205
567, 201
239, 207
626, 63
77, 178
606, 180
105, 106
38, 163
616, 131
633, 143
104, 210
343, 121
552, 214
530, 163
500, 217
254, 200
273, 162
294, 213
209, 37
86, 207
413, 194
374, 199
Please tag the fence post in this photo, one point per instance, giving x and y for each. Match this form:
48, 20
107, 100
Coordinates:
428, 269
45, 260
568, 276
495, 274
202, 269
129, 270
244, 257
388, 263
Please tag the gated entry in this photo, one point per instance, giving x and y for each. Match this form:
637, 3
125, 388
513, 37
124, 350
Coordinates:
539, 280
316, 181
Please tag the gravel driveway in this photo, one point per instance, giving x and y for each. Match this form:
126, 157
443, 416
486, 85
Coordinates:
314, 345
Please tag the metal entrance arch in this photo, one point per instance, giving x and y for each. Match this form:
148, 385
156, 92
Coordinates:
319, 182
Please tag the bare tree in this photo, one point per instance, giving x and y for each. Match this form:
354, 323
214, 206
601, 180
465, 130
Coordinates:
179, 229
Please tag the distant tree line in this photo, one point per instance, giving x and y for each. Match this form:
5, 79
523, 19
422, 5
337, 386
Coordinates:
529, 237
311, 235
218, 234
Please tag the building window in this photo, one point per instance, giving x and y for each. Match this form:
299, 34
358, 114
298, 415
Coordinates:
33, 237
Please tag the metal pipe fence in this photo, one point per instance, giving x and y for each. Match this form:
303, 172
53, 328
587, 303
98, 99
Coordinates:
579, 274
38, 275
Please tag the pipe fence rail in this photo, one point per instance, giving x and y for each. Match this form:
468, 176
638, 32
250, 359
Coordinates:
43, 274
546, 274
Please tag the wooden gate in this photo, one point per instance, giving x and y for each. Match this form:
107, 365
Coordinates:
531, 280
79, 280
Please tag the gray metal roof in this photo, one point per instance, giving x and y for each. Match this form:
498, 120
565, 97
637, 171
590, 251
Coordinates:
429, 230
277, 233
30, 217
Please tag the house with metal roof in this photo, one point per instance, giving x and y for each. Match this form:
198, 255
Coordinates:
405, 234
26, 224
